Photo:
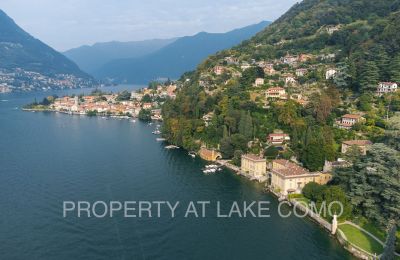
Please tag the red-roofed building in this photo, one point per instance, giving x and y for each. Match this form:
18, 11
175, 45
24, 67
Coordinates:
288, 177
347, 121
386, 87
276, 92
363, 145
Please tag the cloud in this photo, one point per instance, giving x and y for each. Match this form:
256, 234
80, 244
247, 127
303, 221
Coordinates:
64, 24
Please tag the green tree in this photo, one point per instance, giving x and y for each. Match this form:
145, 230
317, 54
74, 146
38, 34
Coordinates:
395, 69
373, 183
369, 76
390, 247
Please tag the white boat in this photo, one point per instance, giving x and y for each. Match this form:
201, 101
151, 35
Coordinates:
171, 147
160, 139
156, 132
133, 121
192, 154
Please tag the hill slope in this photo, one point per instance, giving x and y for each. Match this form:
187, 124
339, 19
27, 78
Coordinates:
91, 58
356, 39
18, 49
180, 56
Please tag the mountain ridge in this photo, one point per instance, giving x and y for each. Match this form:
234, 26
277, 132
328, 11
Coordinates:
18, 49
174, 59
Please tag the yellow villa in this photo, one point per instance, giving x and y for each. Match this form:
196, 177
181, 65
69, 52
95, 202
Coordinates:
288, 177
254, 165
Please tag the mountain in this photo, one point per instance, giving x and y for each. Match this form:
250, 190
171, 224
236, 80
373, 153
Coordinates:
20, 50
174, 59
91, 58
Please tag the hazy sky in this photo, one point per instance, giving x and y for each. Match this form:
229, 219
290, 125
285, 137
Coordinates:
65, 24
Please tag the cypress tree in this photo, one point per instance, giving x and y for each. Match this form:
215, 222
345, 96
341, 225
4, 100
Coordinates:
388, 253
395, 69
369, 76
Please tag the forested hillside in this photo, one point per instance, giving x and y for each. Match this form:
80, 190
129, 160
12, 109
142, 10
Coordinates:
326, 72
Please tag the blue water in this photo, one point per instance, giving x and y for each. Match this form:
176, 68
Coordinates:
48, 158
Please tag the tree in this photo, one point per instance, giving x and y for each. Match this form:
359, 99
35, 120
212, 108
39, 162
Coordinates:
365, 102
144, 115
395, 69
369, 76
390, 247
373, 184
124, 95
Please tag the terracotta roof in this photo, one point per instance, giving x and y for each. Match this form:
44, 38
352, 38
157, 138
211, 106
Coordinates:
278, 134
275, 89
351, 116
290, 169
253, 157
358, 142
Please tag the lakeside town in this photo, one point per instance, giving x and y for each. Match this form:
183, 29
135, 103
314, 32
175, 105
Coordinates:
144, 103
20, 80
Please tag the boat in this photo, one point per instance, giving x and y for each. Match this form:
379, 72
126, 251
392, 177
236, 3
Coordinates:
156, 132
192, 154
160, 139
133, 121
171, 147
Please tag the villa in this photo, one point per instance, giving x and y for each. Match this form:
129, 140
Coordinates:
349, 120
218, 70
363, 145
276, 92
288, 177
386, 87
278, 139
259, 82
254, 165
301, 72
330, 73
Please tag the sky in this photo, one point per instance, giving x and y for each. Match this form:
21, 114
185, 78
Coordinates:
65, 24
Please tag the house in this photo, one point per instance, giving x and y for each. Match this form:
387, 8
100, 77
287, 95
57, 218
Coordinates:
276, 92
289, 79
245, 66
278, 139
259, 82
305, 57
209, 154
218, 70
331, 29
269, 70
288, 59
363, 145
330, 166
386, 87
147, 105
330, 73
288, 177
254, 165
348, 120
301, 72
207, 118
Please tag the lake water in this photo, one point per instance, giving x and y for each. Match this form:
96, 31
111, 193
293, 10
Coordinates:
48, 158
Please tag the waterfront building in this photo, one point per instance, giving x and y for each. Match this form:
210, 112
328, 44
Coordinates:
209, 154
288, 177
254, 165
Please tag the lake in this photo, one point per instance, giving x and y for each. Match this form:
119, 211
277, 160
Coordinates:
49, 158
